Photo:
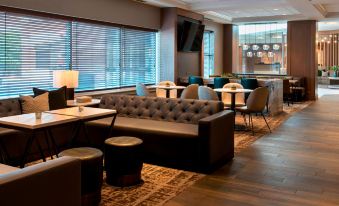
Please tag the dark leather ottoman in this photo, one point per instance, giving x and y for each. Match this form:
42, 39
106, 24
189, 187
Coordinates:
123, 161
91, 173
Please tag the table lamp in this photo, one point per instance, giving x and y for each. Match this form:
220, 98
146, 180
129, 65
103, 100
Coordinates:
68, 78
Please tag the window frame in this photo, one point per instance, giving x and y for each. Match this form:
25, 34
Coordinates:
211, 53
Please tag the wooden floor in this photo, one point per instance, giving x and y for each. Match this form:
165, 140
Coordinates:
298, 164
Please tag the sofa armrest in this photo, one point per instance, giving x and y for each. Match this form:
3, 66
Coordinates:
54, 183
217, 139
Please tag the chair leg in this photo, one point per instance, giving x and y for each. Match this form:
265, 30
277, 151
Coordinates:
244, 116
262, 114
251, 120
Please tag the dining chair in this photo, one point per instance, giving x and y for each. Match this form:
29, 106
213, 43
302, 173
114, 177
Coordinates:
249, 83
239, 97
162, 92
255, 104
195, 80
219, 82
142, 90
287, 92
190, 92
206, 93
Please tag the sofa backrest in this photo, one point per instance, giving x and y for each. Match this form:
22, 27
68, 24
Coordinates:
10, 107
156, 108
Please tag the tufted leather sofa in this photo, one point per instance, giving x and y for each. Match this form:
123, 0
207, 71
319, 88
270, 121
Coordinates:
181, 133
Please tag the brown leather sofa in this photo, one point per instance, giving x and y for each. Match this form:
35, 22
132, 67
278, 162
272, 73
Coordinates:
187, 134
53, 183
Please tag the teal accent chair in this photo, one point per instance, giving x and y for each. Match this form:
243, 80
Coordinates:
195, 80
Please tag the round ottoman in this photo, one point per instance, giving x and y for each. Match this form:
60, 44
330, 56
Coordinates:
123, 161
91, 173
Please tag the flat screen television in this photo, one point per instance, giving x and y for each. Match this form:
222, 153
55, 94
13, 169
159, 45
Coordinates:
190, 36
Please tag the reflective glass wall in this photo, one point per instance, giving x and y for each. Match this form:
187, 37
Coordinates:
262, 48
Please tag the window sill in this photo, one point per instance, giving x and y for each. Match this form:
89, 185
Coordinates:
102, 92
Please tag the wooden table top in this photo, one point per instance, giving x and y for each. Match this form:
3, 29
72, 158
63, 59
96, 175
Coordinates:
86, 113
29, 121
233, 91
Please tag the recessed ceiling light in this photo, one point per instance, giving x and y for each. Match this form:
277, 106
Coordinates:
284, 14
276, 9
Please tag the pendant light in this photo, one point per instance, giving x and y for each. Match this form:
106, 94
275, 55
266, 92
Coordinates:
255, 47
276, 46
245, 47
266, 46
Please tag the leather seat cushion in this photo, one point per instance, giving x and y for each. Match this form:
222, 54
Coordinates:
148, 126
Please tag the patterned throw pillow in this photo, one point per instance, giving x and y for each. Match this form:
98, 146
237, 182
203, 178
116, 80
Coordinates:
34, 104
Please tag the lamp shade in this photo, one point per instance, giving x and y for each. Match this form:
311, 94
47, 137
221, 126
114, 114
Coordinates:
68, 78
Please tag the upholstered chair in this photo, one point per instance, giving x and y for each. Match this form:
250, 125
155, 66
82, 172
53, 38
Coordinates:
239, 97
195, 80
219, 82
255, 104
190, 92
162, 92
206, 93
142, 90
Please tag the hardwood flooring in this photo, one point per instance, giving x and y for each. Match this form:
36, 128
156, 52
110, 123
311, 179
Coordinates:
298, 164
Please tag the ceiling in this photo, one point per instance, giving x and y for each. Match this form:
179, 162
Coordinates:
247, 11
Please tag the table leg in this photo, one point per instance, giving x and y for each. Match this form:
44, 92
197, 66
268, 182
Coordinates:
111, 126
168, 94
233, 101
42, 155
28, 148
75, 134
54, 145
48, 145
3, 152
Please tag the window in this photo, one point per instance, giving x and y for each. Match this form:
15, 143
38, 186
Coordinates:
262, 48
31, 47
208, 53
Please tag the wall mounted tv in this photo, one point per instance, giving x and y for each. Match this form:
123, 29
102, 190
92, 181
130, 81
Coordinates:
190, 36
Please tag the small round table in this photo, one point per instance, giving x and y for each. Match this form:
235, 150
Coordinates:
167, 88
233, 92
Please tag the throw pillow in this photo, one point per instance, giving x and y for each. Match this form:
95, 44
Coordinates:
34, 104
57, 98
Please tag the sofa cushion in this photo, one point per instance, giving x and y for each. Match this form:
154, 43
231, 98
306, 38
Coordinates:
9, 107
148, 126
31, 104
57, 98
4, 169
162, 109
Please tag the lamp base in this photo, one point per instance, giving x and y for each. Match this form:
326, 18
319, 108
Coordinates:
70, 93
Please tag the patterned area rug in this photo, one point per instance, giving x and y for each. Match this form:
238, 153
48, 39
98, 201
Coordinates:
243, 139
160, 185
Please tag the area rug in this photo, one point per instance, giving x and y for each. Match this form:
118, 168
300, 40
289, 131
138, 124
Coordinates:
243, 139
160, 184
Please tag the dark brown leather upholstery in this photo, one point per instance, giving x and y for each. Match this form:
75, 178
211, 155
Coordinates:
123, 161
91, 173
53, 183
9, 107
187, 134
156, 108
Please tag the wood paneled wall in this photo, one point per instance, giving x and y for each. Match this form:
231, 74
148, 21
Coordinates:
301, 54
228, 48
328, 49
